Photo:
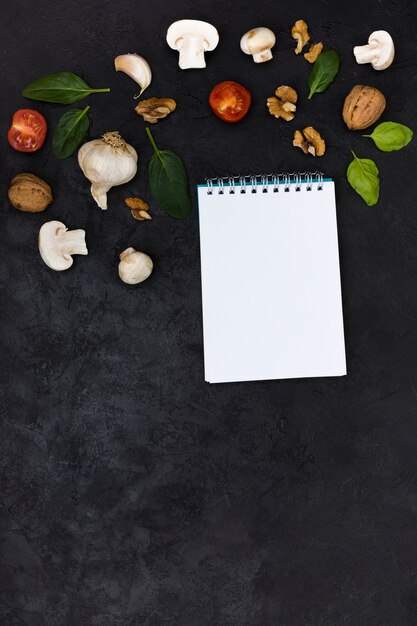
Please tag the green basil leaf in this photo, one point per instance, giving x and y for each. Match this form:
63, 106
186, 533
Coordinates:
62, 88
390, 136
323, 72
70, 132
362, 174
168, 180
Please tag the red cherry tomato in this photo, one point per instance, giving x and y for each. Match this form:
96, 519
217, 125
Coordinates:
230, 101
28, 130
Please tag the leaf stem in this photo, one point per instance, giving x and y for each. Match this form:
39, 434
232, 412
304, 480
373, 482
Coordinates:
103, 90
152, 140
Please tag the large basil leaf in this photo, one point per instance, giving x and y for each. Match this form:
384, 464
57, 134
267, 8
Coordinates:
70, 132
390, 136
323, 72
362, 174
168, 180
63, 88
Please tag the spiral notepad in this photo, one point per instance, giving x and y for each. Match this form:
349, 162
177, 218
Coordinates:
272, 305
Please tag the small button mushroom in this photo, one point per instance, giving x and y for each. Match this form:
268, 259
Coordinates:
258, 42
379, 51
57, 244
192, 38
134, 266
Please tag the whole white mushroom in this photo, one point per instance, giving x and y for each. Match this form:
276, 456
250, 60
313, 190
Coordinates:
258, 42
379, 50
134, 266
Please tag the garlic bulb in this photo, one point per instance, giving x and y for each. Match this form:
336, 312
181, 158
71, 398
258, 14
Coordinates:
107, 162
136, 67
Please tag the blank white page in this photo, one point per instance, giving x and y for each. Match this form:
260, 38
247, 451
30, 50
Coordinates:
272, 304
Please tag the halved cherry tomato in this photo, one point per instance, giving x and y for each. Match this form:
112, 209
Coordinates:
28, 130
230, 101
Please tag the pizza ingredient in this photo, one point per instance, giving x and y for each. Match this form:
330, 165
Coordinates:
192, 38
363, 107
29, 193
168, 181
57, 244
310, 141
324, 71
139, 209
390, 136
134, 266
61, 88
70, 133
379, 50
363, 176
283, 103
300, 33
27, 131
136, 67
314, 52
258, 42
230, 101
155, 109
107, 162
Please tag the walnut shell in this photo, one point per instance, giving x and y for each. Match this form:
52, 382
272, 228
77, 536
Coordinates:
29, 193
363, 107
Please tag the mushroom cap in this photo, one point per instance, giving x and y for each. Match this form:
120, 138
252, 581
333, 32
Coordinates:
386, 44
180, 29
257, 39
49, 246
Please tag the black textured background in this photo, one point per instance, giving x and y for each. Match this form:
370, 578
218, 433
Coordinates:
132, 492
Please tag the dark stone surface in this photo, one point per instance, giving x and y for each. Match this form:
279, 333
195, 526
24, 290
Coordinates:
132, 492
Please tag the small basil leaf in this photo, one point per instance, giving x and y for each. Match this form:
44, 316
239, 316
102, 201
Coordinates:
362, 174
168, 181
70, 132
390, 136
323, 72
62, 88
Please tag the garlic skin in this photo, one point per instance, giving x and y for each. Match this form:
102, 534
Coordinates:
136, 67
134, 266
107, 162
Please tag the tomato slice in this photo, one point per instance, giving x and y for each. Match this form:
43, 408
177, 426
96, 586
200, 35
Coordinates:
28, 130
230, 101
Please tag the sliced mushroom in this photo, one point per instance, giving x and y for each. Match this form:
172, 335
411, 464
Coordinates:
192, 38
57, 244
258, 42
379, 51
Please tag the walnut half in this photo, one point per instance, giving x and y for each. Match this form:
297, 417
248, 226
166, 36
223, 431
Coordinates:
314, 52
155, 109
300, 33
138, 208
283, 103
309, 141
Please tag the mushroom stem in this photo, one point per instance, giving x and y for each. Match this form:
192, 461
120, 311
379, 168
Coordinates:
192, 53
366, 54
72, 242
264, 55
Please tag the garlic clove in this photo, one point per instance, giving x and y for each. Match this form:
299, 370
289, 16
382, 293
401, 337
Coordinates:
136, 67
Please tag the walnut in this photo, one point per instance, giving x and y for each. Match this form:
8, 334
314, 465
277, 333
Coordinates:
300, 33
283, 105
155, 109
309, 141
139, 208
29, 193
314, 52
363, 107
